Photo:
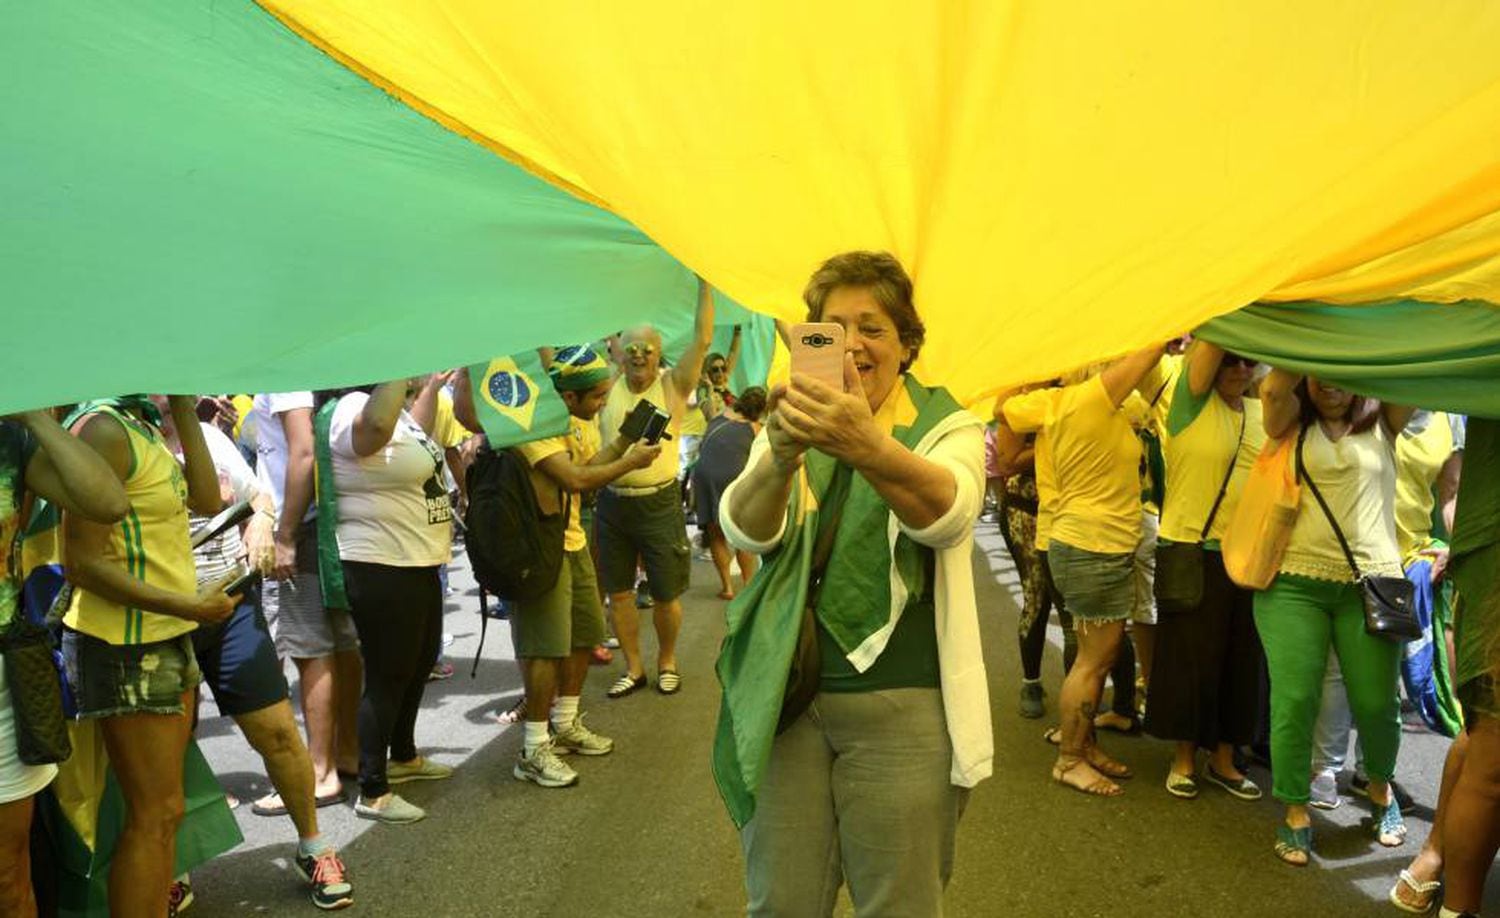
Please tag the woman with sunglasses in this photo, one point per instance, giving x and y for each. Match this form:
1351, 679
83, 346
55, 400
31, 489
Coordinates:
1206, 671
1346, 451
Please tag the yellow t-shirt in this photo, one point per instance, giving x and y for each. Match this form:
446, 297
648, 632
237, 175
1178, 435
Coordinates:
446, 431
1046, 489
618, 407
1096, 458
694, 424
1419, 460
1203, 436
581, 443
151, 543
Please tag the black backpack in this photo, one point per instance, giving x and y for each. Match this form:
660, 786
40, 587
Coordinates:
516, 550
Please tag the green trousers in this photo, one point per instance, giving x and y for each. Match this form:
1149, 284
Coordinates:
1299, 619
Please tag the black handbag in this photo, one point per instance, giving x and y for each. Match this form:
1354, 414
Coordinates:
1390, 611
805, 675
31, 675
1178, 581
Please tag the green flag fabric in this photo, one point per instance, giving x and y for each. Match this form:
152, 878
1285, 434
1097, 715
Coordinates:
1445, 357
515, 400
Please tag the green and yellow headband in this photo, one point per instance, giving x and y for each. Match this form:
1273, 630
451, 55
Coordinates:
577, 368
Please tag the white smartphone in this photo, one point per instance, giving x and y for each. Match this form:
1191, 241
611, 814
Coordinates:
817, 350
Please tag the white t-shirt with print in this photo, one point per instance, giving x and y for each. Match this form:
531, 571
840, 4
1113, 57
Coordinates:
270, 442
393, 507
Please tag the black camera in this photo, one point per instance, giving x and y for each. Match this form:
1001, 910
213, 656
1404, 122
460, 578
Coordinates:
817, 339
646, 423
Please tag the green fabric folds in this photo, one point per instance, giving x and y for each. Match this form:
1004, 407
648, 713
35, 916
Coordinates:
198, 200
330, 566
1439, 356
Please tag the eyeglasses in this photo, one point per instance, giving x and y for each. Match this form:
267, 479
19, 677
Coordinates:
645, 350
717, 368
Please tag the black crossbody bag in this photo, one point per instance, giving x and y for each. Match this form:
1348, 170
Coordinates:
1389, 611
1178, 583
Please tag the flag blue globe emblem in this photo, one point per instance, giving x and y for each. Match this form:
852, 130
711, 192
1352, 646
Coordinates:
510, 389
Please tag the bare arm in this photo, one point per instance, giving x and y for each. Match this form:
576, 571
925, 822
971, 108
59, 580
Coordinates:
689, 368
463, 402
376, 422
1447, 485
204, 496
1013, 454
619, 457
1279, 402
297, 488
85, 543
1395, 418
733, 357
1203, 360
70, 474
757, 500
1124, 375
424, 408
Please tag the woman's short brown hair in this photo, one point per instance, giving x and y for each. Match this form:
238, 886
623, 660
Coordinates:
882, 275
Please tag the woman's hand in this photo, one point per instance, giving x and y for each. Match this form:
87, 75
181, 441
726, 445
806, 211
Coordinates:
819, 417
786, 451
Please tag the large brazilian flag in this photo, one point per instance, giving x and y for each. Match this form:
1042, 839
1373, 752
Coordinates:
220, 195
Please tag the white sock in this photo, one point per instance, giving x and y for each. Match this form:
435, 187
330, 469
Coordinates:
536, 735
1031, 681
564, 711
1446, 912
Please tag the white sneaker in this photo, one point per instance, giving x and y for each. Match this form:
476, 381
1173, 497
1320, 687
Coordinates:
580, 739
1324, 793
544, 768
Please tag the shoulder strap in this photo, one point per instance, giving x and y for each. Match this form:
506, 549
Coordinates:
1317, 495
1234, 459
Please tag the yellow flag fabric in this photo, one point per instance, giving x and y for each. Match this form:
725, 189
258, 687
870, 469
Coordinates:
1064, 180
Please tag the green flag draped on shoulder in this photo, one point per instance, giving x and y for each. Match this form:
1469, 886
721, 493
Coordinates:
515, 400
763, 621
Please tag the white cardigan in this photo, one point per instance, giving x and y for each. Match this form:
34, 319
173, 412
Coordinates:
957, 444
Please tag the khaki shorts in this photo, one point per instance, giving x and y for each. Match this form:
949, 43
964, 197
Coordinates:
653, 528
568, 617
1144, 610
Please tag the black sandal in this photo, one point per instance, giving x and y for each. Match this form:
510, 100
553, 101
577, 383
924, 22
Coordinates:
626, 685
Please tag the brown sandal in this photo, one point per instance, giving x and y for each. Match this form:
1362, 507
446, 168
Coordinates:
1102, 787
1107, 766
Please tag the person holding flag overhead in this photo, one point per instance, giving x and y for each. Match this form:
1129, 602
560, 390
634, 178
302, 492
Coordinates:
555, 633
640, 515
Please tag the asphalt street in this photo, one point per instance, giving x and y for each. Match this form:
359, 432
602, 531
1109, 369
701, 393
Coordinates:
644, 834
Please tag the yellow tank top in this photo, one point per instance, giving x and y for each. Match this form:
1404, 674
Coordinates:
151, 543
620, 403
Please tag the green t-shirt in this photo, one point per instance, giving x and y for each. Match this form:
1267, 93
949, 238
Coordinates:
910, 660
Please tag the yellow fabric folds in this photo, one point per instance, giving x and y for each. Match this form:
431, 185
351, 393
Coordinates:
1064, 180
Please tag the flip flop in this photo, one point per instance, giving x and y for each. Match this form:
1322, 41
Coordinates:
1053, 735
1426, 893
259, 809
627, 685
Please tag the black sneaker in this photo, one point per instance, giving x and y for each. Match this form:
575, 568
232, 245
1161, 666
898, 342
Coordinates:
1360, 784
331, 889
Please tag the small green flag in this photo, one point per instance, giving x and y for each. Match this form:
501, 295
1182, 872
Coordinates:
516, 401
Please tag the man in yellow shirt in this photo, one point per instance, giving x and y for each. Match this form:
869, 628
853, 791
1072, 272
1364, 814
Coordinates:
556, 633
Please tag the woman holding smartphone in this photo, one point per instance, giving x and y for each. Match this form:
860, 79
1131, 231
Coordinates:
869, 485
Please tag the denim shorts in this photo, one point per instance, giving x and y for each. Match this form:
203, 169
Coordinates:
109, 680
1097, 588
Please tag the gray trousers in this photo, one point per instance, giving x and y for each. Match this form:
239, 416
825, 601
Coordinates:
857, 791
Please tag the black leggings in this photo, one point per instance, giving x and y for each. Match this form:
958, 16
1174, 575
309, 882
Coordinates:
399, 614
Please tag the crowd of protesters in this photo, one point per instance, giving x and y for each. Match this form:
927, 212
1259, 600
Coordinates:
840, 524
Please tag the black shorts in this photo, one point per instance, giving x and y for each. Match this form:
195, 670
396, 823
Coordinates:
653, 528
239, 661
